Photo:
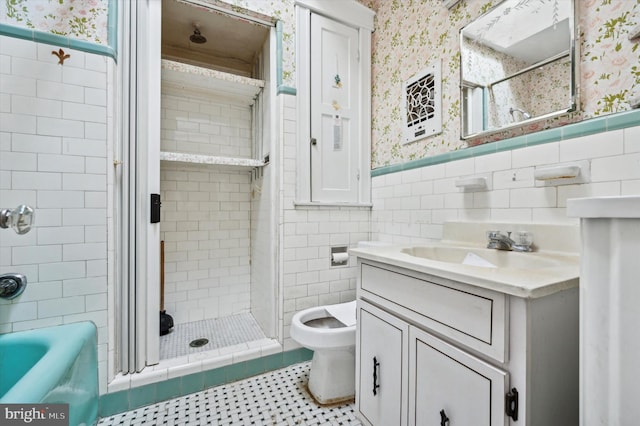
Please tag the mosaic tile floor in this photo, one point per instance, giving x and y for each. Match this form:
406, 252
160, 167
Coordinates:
275, 398
221, 332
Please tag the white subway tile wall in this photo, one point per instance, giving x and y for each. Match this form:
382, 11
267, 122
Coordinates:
54, 156
308, 233
205, 125
206, 211
615, 170
206, 214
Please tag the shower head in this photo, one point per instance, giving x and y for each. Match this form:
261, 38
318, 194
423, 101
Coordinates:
197, 37
525, 114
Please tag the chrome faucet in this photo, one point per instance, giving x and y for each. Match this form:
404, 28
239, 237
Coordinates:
499, 241
12, 285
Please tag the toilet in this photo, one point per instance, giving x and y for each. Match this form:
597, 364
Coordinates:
330, 331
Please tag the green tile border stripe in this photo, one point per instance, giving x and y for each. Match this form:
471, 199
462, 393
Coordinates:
282, 89
69, 42
112, 28
587, 127
130, 399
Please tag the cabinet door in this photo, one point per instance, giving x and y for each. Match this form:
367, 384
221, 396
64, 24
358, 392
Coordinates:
451, 387
335, 111
382, 349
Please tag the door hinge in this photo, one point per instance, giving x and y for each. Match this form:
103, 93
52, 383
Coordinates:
511, 404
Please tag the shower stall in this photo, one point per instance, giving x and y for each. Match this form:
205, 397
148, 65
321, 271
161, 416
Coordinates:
202, 111
218, 218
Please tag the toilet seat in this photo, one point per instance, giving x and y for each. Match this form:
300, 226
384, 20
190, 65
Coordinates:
316, 338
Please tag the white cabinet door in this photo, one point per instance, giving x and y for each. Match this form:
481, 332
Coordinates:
335, 111
381, 392
451, 387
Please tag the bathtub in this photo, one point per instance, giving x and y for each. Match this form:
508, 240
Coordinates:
56, 365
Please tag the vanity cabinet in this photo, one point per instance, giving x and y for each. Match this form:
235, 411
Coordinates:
442, 352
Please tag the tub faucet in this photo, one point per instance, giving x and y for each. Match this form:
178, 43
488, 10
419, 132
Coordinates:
499, 241
12, 285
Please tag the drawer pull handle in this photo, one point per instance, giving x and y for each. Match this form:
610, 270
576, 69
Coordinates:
376, 365
444, 420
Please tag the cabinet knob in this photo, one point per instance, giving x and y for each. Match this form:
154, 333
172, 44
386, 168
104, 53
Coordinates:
444, 420
376, 365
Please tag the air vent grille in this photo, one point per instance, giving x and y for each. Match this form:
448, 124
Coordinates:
422, 106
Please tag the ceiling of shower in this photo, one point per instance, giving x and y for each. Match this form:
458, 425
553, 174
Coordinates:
232, 43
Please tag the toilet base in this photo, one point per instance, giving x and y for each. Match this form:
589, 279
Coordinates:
332, 377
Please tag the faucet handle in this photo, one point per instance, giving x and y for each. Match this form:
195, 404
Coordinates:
19, 219
493, 234
523, 240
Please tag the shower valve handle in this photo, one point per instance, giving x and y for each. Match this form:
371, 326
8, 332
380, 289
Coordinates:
19, 219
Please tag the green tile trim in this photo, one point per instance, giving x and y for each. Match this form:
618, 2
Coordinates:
587, 127
112, 27
545, 136
168, 389
279, 53
282, 89
623, 120
118, 402
68, 42
286, 90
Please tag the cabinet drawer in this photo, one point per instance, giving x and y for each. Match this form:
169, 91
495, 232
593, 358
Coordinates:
473, 316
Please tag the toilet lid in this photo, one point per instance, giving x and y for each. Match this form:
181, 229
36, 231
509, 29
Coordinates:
344, 312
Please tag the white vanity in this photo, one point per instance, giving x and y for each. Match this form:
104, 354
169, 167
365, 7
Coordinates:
441, 341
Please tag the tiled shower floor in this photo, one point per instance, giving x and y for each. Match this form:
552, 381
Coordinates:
221, 332
275, 398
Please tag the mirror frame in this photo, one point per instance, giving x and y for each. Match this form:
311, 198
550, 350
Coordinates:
574, 56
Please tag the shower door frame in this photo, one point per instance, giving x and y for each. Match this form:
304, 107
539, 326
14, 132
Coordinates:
136, 298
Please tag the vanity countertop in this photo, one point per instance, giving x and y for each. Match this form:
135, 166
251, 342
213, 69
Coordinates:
527, 282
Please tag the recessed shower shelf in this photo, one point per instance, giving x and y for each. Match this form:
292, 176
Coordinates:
181, 76
241, 163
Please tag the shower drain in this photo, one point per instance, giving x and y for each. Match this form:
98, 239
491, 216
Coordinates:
198, 343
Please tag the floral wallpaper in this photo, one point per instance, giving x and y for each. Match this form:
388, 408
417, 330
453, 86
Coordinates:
80, 19
411, 33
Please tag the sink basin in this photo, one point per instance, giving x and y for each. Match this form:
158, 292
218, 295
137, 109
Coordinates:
56, 365
487, 258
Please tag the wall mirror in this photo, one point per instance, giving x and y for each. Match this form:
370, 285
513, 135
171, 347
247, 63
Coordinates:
517, 65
